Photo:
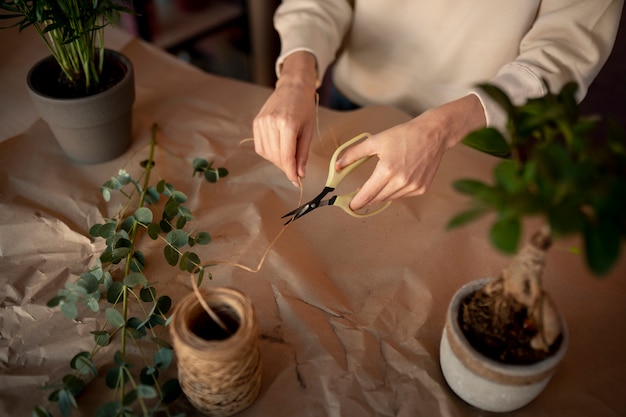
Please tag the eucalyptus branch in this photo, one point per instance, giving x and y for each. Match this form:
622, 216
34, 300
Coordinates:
122, 235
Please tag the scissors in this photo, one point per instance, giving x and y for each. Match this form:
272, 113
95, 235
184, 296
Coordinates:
334, 178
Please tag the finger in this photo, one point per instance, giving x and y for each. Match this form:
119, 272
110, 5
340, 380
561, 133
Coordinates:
355, 152
286, 152
303, 146
371, 192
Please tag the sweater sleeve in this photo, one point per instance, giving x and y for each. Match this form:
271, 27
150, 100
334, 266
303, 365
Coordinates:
569, 41
316, 26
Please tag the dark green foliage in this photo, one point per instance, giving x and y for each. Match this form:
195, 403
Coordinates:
71, 29
569, 169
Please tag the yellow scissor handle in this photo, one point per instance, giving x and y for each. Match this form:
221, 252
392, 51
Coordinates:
335, 177
343, 201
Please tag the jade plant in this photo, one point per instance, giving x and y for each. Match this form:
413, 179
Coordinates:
131, 311
73, 31
561, 167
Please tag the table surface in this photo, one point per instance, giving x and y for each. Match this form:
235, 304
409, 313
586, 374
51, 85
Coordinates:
350, 310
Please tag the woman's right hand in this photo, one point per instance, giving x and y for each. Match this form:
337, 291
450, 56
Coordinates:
283, 128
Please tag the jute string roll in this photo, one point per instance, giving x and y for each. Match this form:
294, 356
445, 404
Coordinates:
219, 377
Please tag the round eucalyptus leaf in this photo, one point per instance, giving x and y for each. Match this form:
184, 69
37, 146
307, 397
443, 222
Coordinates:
114, 293
177, 238
114, 317
135, 278
112, 408
203, 238
143, 215
171, 255
171, 390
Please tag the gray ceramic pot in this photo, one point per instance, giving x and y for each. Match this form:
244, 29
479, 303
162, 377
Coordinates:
483, 382
91, 129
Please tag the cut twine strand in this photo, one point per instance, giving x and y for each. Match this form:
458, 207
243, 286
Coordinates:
194, 283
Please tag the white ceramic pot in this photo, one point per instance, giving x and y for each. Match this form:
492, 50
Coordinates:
483, 382
91, 129
219, 373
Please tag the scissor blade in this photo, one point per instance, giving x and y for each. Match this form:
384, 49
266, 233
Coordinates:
311, 205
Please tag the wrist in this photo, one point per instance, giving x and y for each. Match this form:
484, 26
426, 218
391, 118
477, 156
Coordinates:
463, 116
300, 70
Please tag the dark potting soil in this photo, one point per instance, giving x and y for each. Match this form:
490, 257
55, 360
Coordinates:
503, 336
49, 80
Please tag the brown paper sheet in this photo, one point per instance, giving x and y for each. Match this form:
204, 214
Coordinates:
351, 310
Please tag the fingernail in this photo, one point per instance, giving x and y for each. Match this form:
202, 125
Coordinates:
295, 184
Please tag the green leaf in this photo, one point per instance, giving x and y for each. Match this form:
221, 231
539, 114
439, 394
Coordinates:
200, 165
466, 216
135, 328
148, 375
171, 255
470, 187
507, 176
114, 317
163, 358
143, 215
135, 278
101, 337
212, 175
55, 301
163, 305
40, 411
66, 402
83, 364
110, 409
115, 291
171, 208
505, 234
177, 238
130, 397
89, 282
179, 196
69, 310
488, 140
73, 384
203, 238
189, 262
171, 390
146, 391
152, 195
147, 294
137, 262
154, 230
602, 247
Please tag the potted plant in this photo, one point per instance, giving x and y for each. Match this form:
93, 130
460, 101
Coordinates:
504, 337
133, 314
84, 91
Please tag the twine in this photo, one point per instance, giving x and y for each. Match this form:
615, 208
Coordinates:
219, 377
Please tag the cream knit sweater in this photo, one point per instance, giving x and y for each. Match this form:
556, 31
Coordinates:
417, 54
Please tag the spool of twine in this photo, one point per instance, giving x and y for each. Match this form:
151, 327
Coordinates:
220, 373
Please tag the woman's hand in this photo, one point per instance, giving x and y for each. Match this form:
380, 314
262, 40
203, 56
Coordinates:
409, 154
283, 129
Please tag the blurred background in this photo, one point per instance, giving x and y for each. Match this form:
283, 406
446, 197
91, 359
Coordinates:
236, 39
